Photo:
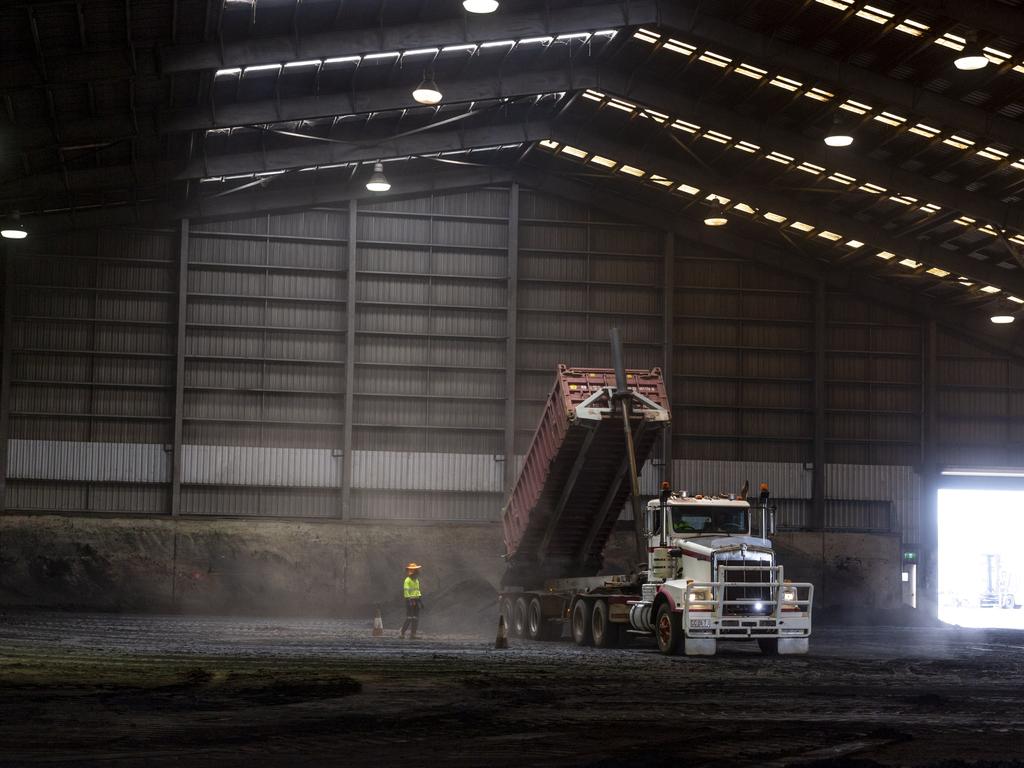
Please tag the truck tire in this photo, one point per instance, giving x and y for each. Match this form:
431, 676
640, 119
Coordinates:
536, 627
769, 646
581, 623
668, 630
519, 617
604, 632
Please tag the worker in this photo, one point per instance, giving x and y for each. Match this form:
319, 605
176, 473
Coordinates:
413, 599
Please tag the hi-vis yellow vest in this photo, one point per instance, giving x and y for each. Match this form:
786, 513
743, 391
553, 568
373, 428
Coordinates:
411, 588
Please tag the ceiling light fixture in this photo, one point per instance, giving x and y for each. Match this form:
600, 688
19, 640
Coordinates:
838, 136
13, 229
378, 182
427, 92
971, 57
717, 217
480, 6
1001, 319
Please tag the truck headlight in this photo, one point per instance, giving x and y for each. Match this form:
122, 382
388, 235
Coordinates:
789, 594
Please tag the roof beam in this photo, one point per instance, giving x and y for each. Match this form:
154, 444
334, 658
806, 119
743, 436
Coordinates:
312, 153
852, 164
374, 100
267, 200
792, 207
894, 94
469, 28
647, 209
998, 18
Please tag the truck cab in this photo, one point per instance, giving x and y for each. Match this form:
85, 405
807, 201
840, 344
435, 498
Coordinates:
712, 575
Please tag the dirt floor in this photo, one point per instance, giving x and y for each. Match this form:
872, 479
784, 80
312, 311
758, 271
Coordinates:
127, 690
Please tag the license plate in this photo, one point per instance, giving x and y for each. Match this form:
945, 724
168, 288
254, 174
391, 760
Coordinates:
700, 623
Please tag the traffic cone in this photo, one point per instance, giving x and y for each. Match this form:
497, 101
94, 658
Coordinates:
378, 625
501, 641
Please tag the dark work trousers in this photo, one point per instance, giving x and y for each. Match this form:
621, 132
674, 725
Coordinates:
412, 616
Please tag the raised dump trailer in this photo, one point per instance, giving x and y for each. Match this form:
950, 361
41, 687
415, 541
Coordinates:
708, 570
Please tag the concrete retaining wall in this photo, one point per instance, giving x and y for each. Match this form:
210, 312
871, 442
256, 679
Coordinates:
264, 567
277, 567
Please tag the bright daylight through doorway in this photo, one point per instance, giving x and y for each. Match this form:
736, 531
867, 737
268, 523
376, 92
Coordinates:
981, 557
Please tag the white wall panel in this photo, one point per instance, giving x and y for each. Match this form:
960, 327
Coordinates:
88, 462
250, 465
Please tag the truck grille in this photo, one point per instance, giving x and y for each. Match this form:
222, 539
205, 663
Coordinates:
750, 595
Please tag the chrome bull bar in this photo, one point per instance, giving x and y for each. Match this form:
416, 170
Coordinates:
705, 604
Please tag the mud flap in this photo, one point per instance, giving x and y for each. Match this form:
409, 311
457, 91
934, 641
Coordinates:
793, 645
700, 646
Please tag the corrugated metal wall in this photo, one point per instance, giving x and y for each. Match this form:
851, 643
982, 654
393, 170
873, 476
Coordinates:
92, 372
92, 375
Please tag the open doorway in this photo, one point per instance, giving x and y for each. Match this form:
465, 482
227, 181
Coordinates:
981, 557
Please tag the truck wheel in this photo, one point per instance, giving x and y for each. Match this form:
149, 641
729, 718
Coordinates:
581, 623
668, 630
519, 617
535, 624
605, 634
769, 645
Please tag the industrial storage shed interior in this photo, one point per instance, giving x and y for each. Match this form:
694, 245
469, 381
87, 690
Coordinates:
285, 285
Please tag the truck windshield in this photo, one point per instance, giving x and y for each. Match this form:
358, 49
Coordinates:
709, 520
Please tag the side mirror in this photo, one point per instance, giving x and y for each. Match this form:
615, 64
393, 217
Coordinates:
771, 521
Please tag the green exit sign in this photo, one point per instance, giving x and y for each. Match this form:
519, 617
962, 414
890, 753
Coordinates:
910, 555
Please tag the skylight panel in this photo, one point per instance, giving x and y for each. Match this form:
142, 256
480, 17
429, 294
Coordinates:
646, 35
887, 255
839, 5
938, 272
743, 208
803, 227
995, 55
498, 44
624, 106
574, 151
786, 83
965, 221
721, 138
754, 73
910, 263
872, 188
842, 178
954, 42
989, 289
549, 144
810, 168
890, 119
903, 199
307, 63
856, 107
993, 154
877, 15
688, 189
830, 235
421, 51
776, 217
1015, 299
854, 243
652, 115
778, 157
746, 146
677, 46
392, 54
543, 39
924, 130
661, 180
228, 71
593, 95
632, 170
716, 59
930, 208
911, 27
261, 68
603, 161
819, 94
682, 125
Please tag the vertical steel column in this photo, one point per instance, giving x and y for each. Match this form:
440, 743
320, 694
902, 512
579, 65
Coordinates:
511, 330
818, 480
5, 372
929, 528
668, 334
179, 369
350, 357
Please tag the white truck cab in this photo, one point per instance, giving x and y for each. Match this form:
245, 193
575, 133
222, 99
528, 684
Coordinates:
711, 575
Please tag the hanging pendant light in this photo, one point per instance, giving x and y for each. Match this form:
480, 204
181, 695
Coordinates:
427, 92
378, 182
971, 57
838, 136
717, 217
480, 6
13, 229
1002, 319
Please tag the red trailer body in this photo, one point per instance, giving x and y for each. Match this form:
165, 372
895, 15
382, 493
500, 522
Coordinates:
575, 479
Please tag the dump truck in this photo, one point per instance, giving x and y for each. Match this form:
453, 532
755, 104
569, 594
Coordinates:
1001, 587
705, 570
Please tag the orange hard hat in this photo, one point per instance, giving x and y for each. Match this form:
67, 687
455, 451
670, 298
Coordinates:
413, 567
